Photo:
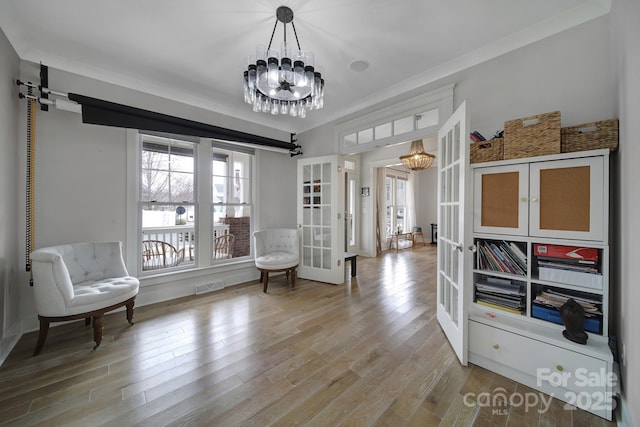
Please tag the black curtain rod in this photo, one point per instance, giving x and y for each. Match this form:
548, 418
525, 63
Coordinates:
105, 113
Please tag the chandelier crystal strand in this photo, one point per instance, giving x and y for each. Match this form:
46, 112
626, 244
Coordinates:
284, 81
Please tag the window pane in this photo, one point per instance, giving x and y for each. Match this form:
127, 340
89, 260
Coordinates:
389, 191
400, 220
168, 236
241, 164
219, 189
155, 185
231, 232
389, 220
182, 189
427, 119
365, 136
154, 159
401, 192
383, 131
403, 125
182, 160
350, 140
167, 171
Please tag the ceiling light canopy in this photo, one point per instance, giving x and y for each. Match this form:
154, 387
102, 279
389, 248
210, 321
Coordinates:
417, 159
283, 81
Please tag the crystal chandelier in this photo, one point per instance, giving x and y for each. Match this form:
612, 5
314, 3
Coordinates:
417, 159
284, 81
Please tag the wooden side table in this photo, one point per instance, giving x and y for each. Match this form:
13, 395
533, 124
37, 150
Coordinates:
397, 236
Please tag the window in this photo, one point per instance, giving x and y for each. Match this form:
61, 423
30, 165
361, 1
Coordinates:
396, 217
231, 203
178, 232
167, 203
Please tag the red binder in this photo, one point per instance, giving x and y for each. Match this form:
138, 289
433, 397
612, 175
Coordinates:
566, 252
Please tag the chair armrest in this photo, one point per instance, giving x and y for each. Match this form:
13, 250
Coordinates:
40, 256
53, 289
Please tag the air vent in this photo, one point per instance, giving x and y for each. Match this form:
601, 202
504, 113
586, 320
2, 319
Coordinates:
209, 287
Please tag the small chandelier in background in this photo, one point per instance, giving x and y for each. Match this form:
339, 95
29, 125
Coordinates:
284, 81
417, 159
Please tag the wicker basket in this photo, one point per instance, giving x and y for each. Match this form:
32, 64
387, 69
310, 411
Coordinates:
486, 151
537, 135
590, 136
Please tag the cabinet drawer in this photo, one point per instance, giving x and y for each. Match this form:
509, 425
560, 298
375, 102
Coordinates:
548, 364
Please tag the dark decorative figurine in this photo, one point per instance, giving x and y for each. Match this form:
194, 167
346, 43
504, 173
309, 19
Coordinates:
572, 315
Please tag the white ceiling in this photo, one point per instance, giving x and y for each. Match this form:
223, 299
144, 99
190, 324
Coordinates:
195, 51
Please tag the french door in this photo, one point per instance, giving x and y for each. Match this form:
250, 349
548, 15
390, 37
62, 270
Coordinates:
320, 198
453, 230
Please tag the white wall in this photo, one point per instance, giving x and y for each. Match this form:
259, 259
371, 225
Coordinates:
625, 16
426, 199
82, 180
11, 260
569, 72
277, 190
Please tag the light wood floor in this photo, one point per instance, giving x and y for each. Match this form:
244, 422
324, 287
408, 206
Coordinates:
369, 352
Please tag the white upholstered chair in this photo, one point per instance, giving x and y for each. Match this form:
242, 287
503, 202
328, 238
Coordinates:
276, 250
81, 281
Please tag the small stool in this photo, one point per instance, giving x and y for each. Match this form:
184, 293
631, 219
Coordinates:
417, 231
350, 256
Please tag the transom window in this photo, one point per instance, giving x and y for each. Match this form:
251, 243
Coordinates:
397, 124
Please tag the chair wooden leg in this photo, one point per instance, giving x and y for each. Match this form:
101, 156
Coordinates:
266, 281
98, 321
261, 276
87, 321
42, 336
293, 277
130, 312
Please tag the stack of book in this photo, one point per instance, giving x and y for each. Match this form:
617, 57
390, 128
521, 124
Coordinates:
568, 264
503, 294
506, 257
547, 305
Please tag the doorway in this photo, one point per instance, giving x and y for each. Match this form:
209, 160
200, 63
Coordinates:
352, 195
425, 190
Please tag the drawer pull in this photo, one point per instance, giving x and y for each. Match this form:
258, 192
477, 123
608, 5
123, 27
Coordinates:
559, 368
496, 346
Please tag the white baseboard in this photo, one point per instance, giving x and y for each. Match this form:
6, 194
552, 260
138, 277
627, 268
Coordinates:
623, 416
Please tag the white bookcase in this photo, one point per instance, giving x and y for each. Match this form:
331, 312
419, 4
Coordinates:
526, 213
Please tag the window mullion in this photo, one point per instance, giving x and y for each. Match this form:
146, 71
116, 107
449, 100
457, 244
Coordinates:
204, 226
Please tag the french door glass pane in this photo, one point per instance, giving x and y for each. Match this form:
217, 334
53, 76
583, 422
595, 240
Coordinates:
454, 304
455, 148
317, 214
